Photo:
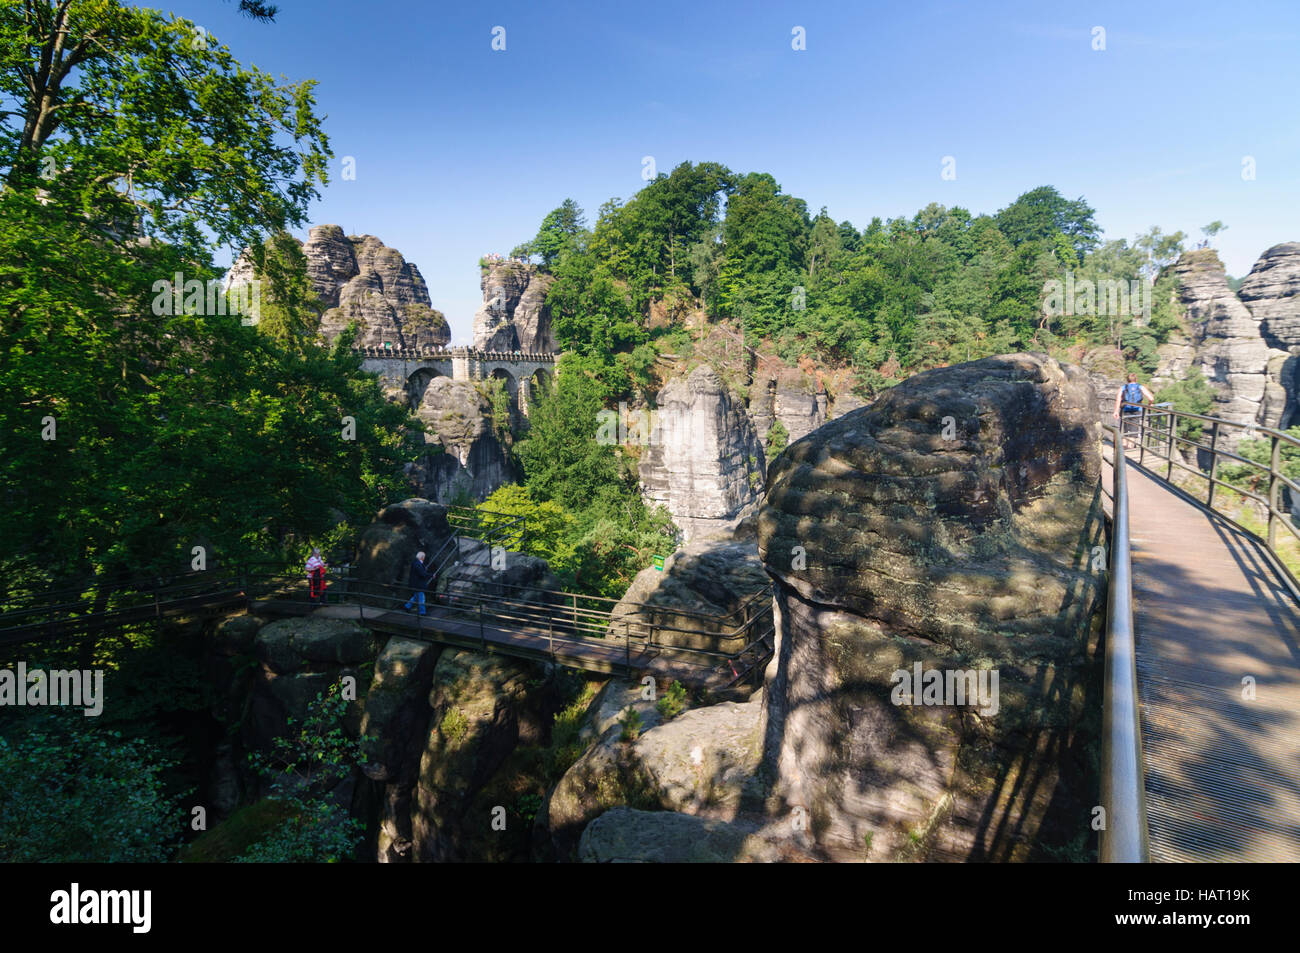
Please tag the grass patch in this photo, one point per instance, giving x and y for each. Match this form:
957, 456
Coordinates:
233, 836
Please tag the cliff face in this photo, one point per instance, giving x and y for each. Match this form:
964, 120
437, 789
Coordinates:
892, 547
360, 278
472, 460
1224, 337
705, 462
783, 397
514, 316
364, 280
1272, 293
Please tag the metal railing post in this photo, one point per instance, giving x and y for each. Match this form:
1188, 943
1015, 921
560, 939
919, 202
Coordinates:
1123, 794
1274, 503
1144, 424
1214, 463
1169, 447
482, 639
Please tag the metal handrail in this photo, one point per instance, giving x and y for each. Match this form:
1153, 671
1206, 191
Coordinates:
1157, 428
1123, 788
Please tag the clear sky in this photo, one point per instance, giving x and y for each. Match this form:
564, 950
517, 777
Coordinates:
460, 149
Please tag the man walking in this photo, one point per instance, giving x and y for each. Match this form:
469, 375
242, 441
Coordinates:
1130, 397
418, 578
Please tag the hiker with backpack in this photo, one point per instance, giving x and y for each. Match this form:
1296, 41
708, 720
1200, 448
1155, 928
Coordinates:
1128, 408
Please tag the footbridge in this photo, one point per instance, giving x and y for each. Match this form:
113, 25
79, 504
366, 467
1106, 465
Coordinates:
1201, 758
468, 609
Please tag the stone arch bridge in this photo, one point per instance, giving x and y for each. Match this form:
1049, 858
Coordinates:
411, 368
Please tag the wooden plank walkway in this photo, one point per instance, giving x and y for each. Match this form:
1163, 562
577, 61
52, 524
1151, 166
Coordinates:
1222, 769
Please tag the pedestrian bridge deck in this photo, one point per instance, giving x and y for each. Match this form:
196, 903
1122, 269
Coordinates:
1213, 620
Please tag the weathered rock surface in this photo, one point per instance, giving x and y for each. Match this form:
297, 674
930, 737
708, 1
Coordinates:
626, 835
514, 315
388, 545
299, 659
394, 729
1224, 339
482, 706
696, 599
1272, 293
790, 398
704, 761
704, 463
891, 546
465, 455
359, 278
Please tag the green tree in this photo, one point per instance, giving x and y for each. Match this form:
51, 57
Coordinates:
559, 229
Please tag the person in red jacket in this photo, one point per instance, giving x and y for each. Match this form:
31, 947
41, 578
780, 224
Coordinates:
316, 576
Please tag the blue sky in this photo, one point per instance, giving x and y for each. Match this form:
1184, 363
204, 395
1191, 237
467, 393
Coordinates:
460, 149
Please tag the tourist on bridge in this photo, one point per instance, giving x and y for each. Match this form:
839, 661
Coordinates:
316, 576
419, 579
1131, 397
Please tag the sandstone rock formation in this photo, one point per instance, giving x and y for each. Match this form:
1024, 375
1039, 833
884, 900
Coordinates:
394, 729
704, 463
298, 659
359, 278
697, 598
465, 457
789, 398
481, 708
388, 545
514, 315
626, 835
891, 546
1224, 339
1272, 293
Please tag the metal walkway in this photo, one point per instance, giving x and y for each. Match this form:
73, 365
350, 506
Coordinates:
1218, 672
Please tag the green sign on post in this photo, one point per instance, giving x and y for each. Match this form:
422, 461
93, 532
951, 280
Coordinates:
659, 563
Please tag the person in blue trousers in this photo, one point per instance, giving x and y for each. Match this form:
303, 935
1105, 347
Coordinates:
419, 579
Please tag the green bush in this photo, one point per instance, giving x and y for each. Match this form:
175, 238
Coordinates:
632, 723
304, 770
72, 793
673, 702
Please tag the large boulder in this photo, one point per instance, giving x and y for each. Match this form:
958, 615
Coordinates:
952, 524
696, 599
482, 706
627, 835
703, 762
388, 545
301, 658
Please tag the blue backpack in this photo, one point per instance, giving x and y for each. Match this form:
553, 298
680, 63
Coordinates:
1132, 395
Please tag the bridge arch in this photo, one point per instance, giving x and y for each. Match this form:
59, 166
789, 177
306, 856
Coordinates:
418, 381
